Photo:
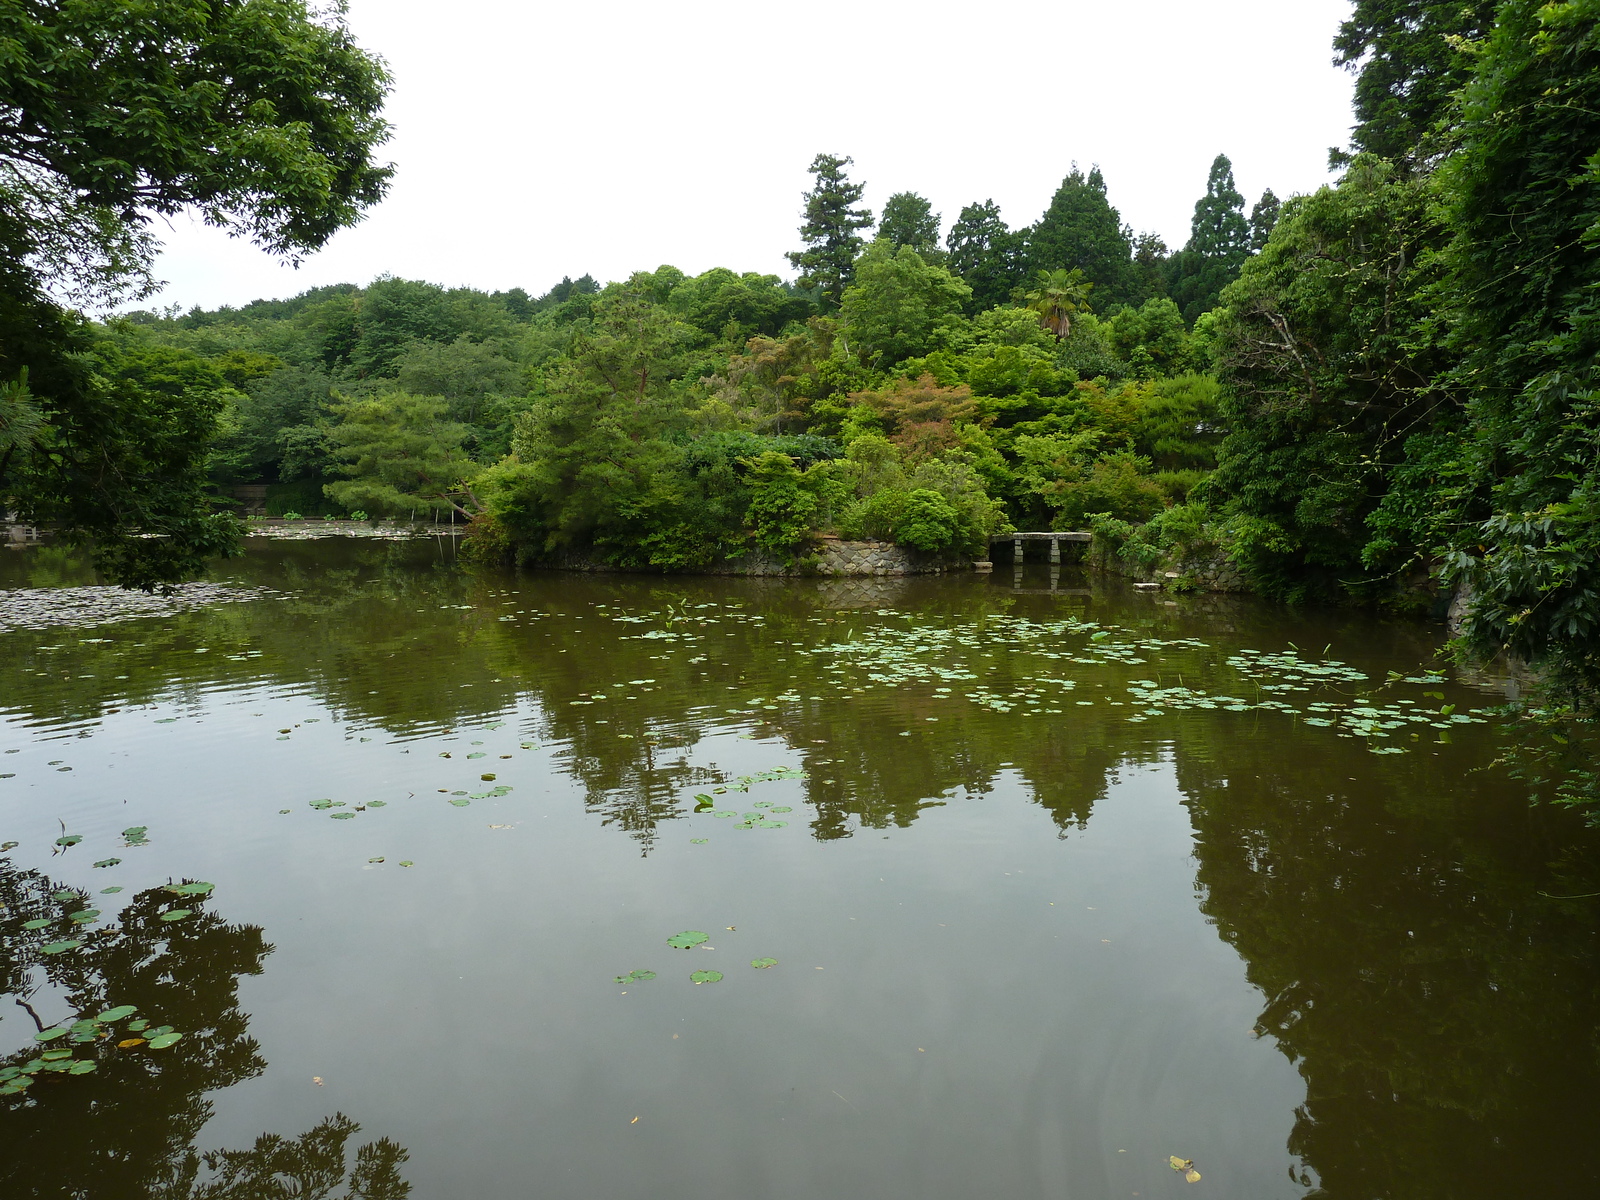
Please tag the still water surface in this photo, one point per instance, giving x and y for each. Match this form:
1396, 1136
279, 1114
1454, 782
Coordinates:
1058, 885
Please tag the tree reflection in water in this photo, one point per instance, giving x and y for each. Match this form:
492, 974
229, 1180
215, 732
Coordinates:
127, 1129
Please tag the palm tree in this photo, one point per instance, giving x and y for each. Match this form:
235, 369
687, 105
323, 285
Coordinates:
1057, 296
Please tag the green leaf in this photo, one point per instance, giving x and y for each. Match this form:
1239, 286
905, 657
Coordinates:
117, 1013
50, 1035
706, 976
343, 816
72, 839
177, 914
82, 1067
687, 939
162, 1041
763, 963
60, 947
108, 862
190, 889
39, 922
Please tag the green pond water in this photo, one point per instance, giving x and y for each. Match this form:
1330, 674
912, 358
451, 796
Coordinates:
1045, 887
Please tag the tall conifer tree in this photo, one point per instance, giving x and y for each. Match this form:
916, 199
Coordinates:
1219, 242
831, 228
986, 254
1081, 230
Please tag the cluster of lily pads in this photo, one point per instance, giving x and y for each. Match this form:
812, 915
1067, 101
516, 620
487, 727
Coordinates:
688, 940
57, 1046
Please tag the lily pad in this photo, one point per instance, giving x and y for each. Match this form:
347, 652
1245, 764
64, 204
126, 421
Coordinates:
38, 923
108, 862
50, 1035
344, 816
706, 976
698, 841
72, 839
84, 916
636, 976
461, 803
60, 947
763, 963
117, 1013
82, 1067
136, 835
177, 914
322, 804
724, 812
190, 889
779, 808
687, 939
165, 1040
130, 1043
136, 1026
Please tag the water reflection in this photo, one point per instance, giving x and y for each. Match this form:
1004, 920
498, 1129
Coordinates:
127, 1127
1397, 913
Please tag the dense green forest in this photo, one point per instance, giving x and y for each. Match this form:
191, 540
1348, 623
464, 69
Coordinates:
1383, 392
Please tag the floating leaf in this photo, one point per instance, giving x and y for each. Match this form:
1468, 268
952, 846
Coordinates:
724, 812
82, 1067
165, 1040
406, 862
141, 1023
375, 860
110, 891
84, 916
706, 976
322, 804
129, 1043
698, 841
50, 1035
72, 839
461, 803
38, 923
344, 816
190, 889
636, 976
117, 1013
55, 1055
763, 963
377, 804
488, 778
177, 914
781, 808
477, 754
687, 939
60, 947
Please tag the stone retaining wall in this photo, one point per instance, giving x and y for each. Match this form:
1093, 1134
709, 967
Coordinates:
832, 557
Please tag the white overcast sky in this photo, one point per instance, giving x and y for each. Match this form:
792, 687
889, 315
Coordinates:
536, 139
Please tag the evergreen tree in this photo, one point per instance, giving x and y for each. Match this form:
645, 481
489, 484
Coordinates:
985, 253
909, 220
1219, 242
830, 228
1150, 255
1081, 230
1263, 219
1406, 69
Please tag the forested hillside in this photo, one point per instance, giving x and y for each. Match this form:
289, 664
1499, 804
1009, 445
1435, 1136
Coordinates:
927, 389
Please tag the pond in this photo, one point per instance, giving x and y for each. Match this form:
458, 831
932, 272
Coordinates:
389, 876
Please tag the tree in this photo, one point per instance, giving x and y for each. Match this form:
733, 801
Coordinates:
1081, 230
909, 220
1263, 219
1407, 64
1219, 241
1524, 194
1057, 296
898, 304
262, 116
830, 228
1331, 373
400, 454
986, 254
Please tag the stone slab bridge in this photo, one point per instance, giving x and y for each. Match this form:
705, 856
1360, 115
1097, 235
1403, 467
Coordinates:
1054, 538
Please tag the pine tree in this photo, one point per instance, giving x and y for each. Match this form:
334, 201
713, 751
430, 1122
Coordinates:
1219, 242
1081, 230
986, 254
830, 228
909, 220
1263, 219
